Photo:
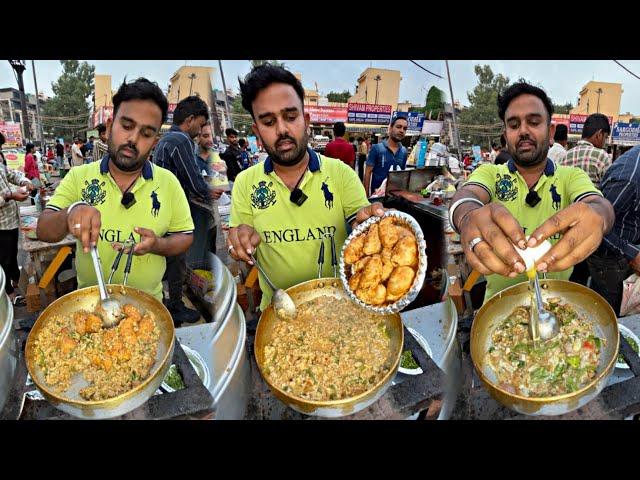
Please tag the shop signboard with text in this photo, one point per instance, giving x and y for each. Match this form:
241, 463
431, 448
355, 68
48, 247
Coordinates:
369, 113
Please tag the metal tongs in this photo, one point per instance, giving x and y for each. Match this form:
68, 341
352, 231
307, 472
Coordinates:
334, 257
109, 308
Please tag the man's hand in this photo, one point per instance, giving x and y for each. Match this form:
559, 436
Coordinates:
18, 196
582, 227
84, 223
499, 231
30, 186
244, 240
375, 209
216, 193
148, 241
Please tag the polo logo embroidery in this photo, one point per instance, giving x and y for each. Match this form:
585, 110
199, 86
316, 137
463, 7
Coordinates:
93, 194
556, 197
506, 190
155, 204
262, 196
328, 196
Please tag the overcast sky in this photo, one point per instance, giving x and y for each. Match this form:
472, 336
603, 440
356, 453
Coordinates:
561, 79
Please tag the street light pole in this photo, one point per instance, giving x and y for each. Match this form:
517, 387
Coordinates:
19, 68
453, 111
226, 104
377, 79
599, 92
191, 76
35, 83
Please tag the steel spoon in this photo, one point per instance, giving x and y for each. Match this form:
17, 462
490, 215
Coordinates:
282, 302
109, 309
543, 325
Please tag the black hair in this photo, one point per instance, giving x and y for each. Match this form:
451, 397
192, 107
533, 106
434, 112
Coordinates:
339, 129
595, 122
522, 88
242, 142
57, 141
503, 141
101, 128
260, 78
396, 118
140, 89
91, 137
29, 147
360, 139
230, 131
561, 134
2, 139
190, 106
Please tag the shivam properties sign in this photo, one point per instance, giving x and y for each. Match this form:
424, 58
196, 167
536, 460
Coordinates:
626, 134
370, 113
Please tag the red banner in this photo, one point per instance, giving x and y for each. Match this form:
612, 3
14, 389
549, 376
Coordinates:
560, 120
12, 134
101, 115
320, 114
576, 122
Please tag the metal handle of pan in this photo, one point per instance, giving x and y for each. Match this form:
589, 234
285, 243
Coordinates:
127, 268
271, 285
115, 265
334, 257
321, 257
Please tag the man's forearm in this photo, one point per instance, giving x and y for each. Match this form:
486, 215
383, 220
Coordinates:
52, 226
173, 245
604, 208
367, 180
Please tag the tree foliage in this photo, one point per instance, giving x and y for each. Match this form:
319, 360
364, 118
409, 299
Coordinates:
563, 109
257, 63
339, 97
479, 119
67, 113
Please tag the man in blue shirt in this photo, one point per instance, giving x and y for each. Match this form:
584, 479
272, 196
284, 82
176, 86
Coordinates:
175, 152
388, 155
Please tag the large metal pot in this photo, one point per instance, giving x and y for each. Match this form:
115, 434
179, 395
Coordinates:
586, 302
85, 299
222, 345
8, 347
305, 292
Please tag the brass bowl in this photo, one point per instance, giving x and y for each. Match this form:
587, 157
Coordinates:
305, 292
586, 302
86, 299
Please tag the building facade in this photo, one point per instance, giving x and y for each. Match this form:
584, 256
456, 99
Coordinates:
599, 97
379, 86
189, 81
11, 110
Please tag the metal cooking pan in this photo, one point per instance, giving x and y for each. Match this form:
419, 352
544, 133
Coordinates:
586, 302
305, 292
86, 299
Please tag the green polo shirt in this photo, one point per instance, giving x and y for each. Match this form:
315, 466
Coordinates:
557, 188
290, 234
161, 206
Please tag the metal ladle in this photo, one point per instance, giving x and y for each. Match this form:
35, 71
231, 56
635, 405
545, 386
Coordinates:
543, 325
109, 309
282, 303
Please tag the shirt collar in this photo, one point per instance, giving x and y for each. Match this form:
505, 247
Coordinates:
147, 169
314, 162
549, 169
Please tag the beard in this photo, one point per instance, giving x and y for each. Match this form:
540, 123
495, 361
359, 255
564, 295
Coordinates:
293, 156
124, 163
532, 157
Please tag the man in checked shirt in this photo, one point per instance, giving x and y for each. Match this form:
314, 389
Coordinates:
175, 152
619, 255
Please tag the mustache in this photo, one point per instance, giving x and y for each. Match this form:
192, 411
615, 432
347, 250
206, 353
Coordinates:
130, 147
286, 137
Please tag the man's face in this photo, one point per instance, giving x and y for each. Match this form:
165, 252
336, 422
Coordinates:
600, 139
281, 124
232, 139
398, 130
103, 136
133, 133
194, 125
205, 140
528, 130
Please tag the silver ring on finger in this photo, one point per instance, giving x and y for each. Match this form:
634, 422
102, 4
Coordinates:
474, 242
77, 226
230, 248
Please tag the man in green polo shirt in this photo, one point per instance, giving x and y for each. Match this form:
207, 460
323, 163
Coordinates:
124, 197
286, 205
500, 205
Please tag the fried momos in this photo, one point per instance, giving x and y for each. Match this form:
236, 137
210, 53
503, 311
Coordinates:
405, 253
403, 232
354, 252
387, 268
388, 232
400, 281
360, 264
354, 281
372, 273
376, 295
372, 243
